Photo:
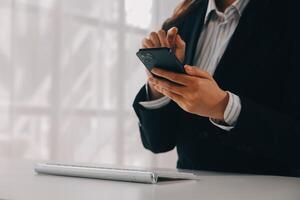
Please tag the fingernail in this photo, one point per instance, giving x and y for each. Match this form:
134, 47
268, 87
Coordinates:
187, 67
174, 28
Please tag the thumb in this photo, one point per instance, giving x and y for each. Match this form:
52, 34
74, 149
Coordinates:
171, 35
195, 71
180, 43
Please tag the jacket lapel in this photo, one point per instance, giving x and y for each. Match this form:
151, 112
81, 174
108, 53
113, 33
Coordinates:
192, 28
241, 41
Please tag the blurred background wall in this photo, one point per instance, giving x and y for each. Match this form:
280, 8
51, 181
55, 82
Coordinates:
68, 76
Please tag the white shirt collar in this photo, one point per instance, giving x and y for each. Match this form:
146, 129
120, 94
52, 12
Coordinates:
239, 5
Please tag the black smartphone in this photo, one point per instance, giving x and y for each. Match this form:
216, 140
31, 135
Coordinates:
162, 58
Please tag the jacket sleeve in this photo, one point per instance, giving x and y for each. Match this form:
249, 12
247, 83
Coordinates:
158, 127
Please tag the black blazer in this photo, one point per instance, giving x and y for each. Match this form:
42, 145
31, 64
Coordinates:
261, 66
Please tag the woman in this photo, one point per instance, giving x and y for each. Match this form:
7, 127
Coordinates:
236, 108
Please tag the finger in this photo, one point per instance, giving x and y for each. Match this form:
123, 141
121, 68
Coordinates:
149, 74
180, 43
155, 39
194, 71
181, 79
171, 36
165, 84
146, 43
175, 97
162, 35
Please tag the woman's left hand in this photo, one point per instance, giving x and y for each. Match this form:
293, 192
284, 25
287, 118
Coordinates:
195, 92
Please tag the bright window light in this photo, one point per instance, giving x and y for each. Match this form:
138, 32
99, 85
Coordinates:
138, 13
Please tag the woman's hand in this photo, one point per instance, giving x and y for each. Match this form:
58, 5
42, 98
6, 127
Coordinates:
169, 39
195, 92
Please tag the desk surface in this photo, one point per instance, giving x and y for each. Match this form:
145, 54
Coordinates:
19, 182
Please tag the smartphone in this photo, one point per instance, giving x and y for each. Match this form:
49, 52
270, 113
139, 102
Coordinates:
162, 58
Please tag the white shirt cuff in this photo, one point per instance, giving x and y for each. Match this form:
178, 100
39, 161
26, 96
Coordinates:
154, 104
231, 114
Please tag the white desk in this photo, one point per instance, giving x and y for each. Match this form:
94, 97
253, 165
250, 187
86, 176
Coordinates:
19, 182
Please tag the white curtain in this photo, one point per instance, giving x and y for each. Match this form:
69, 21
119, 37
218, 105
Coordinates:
68, 76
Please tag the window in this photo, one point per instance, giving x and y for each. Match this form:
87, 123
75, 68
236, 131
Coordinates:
68, 76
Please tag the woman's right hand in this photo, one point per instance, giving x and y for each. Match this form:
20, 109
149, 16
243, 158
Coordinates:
170, 39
